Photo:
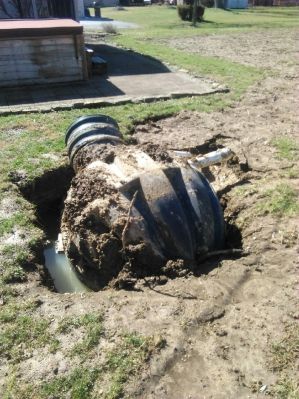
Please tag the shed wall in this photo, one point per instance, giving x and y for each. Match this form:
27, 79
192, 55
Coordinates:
40, 60
236, 3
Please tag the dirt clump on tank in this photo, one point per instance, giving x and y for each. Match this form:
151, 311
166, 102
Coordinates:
134, 212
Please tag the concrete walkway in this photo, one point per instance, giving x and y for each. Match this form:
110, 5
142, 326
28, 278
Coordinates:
131, 78
99, 24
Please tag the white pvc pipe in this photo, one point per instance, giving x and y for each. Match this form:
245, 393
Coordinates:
211, 158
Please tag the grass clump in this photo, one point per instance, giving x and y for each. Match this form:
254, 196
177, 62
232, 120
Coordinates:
290, 173
125, 361
285, 352
109, 28
286, 148
77, 385
284, 355
20, 219
286, 388
110, 375
280, 201
12, 273
24, 333
21, 331
92, 325
185, 12
14, 257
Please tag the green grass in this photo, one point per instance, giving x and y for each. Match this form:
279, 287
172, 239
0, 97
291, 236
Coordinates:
291, 173
283, 358
20, 330
125, 361
286, 388
157, 21
25, 332
93, 330
87, 320
121, 363
286, 147
280, 201
20, 219
285, 352
79, 384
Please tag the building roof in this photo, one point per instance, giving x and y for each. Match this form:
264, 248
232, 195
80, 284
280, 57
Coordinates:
38, 27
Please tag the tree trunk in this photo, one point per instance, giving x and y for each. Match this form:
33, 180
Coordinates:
194, 13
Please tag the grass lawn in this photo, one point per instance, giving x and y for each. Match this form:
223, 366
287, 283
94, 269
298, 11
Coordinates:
161, 21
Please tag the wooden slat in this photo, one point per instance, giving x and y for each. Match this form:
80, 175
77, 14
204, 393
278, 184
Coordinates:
37, 73
39, 59
41, 50
21, 82
35, 41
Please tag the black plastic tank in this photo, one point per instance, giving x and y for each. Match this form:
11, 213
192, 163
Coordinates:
173, 211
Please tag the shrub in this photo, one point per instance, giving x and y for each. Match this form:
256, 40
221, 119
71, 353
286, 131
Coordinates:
208, 3
185, 12
109, 28
200, 10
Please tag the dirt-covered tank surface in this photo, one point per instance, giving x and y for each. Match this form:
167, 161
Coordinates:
140, 211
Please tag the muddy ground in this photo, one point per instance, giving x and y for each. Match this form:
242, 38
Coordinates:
220, 323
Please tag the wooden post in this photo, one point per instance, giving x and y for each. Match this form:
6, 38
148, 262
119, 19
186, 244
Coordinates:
194, 13
80, 49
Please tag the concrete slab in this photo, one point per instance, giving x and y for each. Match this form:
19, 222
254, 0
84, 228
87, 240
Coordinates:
99, 24
131, 77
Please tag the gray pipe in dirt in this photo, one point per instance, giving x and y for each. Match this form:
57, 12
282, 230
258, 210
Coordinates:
127, 214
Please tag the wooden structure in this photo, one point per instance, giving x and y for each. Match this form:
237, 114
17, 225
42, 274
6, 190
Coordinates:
231, 4
41, 52
276, 3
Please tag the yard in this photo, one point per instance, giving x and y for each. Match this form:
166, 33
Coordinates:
226, 330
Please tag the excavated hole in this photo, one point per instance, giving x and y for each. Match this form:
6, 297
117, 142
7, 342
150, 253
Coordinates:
48, 193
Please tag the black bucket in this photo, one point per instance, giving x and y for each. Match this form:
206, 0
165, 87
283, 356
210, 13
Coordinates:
90, 130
